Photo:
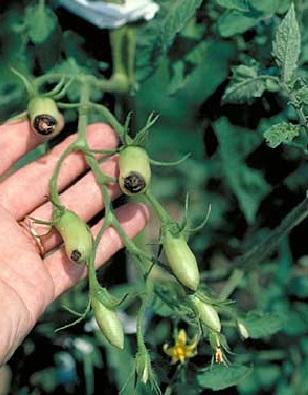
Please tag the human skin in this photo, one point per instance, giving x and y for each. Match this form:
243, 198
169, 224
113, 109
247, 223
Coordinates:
29, 282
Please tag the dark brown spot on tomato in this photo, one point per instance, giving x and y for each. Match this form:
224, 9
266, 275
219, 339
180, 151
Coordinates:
44, 124
75, 256
134, 182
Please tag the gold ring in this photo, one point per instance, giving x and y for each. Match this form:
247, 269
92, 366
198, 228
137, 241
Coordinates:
27, 224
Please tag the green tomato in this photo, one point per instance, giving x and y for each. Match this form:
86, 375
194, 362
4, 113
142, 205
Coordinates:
181, 260
45, 118
109, 323
207, 314
135, 170
76, 235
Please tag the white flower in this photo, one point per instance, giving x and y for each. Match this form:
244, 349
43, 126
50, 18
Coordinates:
129, 323
91, 325
110, 15
243, 330
66, 361
83, 345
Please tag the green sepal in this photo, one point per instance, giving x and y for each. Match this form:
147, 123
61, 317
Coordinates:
173, 163
108, 300
60, 89
189, 230
81, 316
142, 135
28, 84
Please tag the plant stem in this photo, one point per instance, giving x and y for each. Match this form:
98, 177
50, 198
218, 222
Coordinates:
112, 121
117, 46
83, 113
131, 50
67, 105
129, 244
93, 282
53, 182
159, 209
139, 325
113, 85
116, 84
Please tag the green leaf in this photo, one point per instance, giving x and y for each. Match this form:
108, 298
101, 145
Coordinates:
238, 5
282, 132
46, 379
297, 320
41, 22
191, 55
162, 308
287, 45
157, 36
231, 23
208, 74
178, 78
302, 95
269, 7
220, 377
246, 84
247, 184
261, 325
299, 286
179, 13
262, 377
70, 67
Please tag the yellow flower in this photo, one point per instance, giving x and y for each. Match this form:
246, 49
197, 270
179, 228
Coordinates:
181, 350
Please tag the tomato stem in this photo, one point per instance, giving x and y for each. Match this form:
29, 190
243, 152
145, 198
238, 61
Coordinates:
112, 121
159, 209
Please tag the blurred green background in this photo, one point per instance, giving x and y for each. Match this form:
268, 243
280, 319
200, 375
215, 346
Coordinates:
250, 187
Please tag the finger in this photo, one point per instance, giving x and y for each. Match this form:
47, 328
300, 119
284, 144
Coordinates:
84, 198
65, 274
27, 188
16, 139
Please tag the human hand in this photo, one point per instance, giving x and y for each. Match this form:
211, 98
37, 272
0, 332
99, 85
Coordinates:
29, 282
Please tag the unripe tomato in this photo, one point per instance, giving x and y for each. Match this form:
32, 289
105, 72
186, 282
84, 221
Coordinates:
181, 260
76, 236
135, 170
207, 314
109, 323
143, 366
45, 118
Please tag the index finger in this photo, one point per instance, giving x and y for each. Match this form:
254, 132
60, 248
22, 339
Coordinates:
16, 139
